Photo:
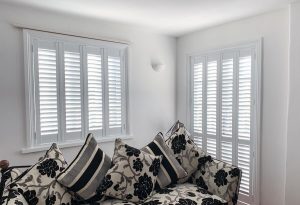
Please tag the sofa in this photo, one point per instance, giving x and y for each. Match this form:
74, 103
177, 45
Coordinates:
132, 176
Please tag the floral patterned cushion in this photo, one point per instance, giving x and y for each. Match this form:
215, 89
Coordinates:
185, 150
219, 178
38, 185
132, 176
180, 194
170, 170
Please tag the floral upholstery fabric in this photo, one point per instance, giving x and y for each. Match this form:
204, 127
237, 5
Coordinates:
38, 185
132, 176
13, 197
219, 178
185, 150
180, 194
10, 176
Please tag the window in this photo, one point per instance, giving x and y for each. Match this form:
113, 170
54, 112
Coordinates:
224, 110
74, 86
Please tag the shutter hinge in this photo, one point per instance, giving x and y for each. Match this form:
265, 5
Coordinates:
31, 48
124, 126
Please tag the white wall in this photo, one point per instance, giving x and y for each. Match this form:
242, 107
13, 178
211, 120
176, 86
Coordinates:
293, 137
151, 94
273, 27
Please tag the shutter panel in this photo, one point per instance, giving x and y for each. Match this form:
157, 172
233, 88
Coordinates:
46, 91
211, 106
244, 97
115, 91
227, 108
95, 90
211, 95
244, 120
73, 92
197, 73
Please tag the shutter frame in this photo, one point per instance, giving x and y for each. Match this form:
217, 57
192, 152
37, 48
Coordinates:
31, 37
255, 48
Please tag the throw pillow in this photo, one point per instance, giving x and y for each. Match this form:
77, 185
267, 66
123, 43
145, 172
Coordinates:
185, 150
38, 185
218, 177
86, 171
170, 169
132, 176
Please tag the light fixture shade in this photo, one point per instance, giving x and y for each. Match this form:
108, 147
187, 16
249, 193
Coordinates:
158, 67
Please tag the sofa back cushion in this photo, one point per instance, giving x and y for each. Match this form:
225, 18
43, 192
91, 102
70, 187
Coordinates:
219, 178
170, 169
87, 170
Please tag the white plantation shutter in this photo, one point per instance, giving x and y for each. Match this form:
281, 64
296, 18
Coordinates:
223, 92
115, 70
72, 92
244, 125
46, 91
227, 102
95, 90
198, 99
211, 105
75, 86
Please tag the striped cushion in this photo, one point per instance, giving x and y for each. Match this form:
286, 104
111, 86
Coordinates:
87, 170
170, 169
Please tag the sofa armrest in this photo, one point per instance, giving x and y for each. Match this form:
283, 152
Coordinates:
13, 197
219, 178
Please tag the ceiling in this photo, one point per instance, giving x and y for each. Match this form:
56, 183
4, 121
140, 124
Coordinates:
172, 17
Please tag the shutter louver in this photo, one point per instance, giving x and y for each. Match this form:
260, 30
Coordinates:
226, 151
95, 99
114, 92
244, 164
72, 91
211, 95
47, 86
212, 147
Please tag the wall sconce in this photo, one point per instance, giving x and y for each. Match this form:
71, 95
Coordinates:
157, 66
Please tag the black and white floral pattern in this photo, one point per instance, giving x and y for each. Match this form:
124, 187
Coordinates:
181, 194
133, 176
185, 150
217, 177
13, 197
37, 184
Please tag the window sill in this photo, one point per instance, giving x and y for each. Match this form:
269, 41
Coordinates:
76, 143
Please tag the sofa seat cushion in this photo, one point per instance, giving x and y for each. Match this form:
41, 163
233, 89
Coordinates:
180, 194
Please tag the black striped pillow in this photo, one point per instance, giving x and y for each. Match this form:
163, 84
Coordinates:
170, 170
86, 171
